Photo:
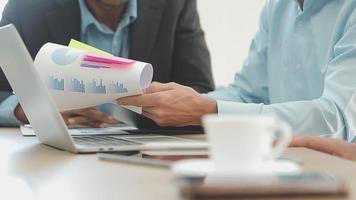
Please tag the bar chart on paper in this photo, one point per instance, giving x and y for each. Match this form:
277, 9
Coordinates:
55, 83
96, 87
99, 87
117, 88
79, 79
76, 85
91, 86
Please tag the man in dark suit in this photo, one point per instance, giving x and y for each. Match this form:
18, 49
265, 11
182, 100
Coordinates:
165, 33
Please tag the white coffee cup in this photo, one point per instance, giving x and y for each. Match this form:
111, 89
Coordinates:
241, 144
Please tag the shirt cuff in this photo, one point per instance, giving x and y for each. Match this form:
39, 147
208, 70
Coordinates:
231, 107
225, 94
7, 112
353, 140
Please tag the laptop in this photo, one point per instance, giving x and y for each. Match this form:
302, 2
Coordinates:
47, 122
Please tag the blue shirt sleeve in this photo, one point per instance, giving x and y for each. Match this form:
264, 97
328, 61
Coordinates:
332, 114
250, 85
7, 108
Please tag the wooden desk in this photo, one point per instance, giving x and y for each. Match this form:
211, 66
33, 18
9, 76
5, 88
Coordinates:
29, 170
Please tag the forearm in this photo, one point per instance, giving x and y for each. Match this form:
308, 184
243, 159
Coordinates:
331, 146
316, 117
205, 106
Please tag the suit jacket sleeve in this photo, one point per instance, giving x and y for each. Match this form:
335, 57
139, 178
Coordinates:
8, 101
8, 17
192, 65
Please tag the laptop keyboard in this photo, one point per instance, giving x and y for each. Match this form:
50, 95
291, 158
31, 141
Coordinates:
99, 141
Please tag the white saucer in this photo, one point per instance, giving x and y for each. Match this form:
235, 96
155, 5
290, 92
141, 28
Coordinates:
204, 167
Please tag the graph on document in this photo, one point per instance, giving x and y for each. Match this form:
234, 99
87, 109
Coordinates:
89, 86
76, 85
96, 87
116, 88
55, 83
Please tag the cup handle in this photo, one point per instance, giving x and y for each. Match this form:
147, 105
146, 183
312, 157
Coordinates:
286, 137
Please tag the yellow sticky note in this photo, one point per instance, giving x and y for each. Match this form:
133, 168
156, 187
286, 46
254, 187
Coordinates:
79, 45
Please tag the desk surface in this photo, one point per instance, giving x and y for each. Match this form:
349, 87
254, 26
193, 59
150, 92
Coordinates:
29, 169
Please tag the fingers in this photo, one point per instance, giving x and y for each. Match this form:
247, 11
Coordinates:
159, 87
73, 121
20, 114
86, 122
145, 100
75, 112
88, 117
299, 141
154, 95
157, 119
96, 115
331, 146
325, 145
149, 115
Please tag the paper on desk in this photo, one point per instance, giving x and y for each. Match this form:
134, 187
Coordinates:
75, 86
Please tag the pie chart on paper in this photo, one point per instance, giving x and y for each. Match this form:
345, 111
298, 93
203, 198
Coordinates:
64, 56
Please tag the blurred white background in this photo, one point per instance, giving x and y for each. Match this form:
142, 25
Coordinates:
2, 4
229, 26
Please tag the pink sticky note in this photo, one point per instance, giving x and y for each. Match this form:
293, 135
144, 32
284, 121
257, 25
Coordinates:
107, 59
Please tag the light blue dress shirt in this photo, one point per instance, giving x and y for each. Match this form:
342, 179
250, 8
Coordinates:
8, 105
301, 68
93, 33
100, 36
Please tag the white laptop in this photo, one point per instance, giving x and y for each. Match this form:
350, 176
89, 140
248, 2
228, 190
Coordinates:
45, 118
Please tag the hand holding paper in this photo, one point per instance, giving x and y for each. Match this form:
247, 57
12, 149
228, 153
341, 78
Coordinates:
81, 79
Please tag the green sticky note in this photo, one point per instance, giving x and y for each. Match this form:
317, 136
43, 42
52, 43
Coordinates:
79, 45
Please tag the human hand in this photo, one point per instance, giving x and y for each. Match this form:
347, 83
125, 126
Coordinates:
86, 117
172, 104
327, 145
20, 114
